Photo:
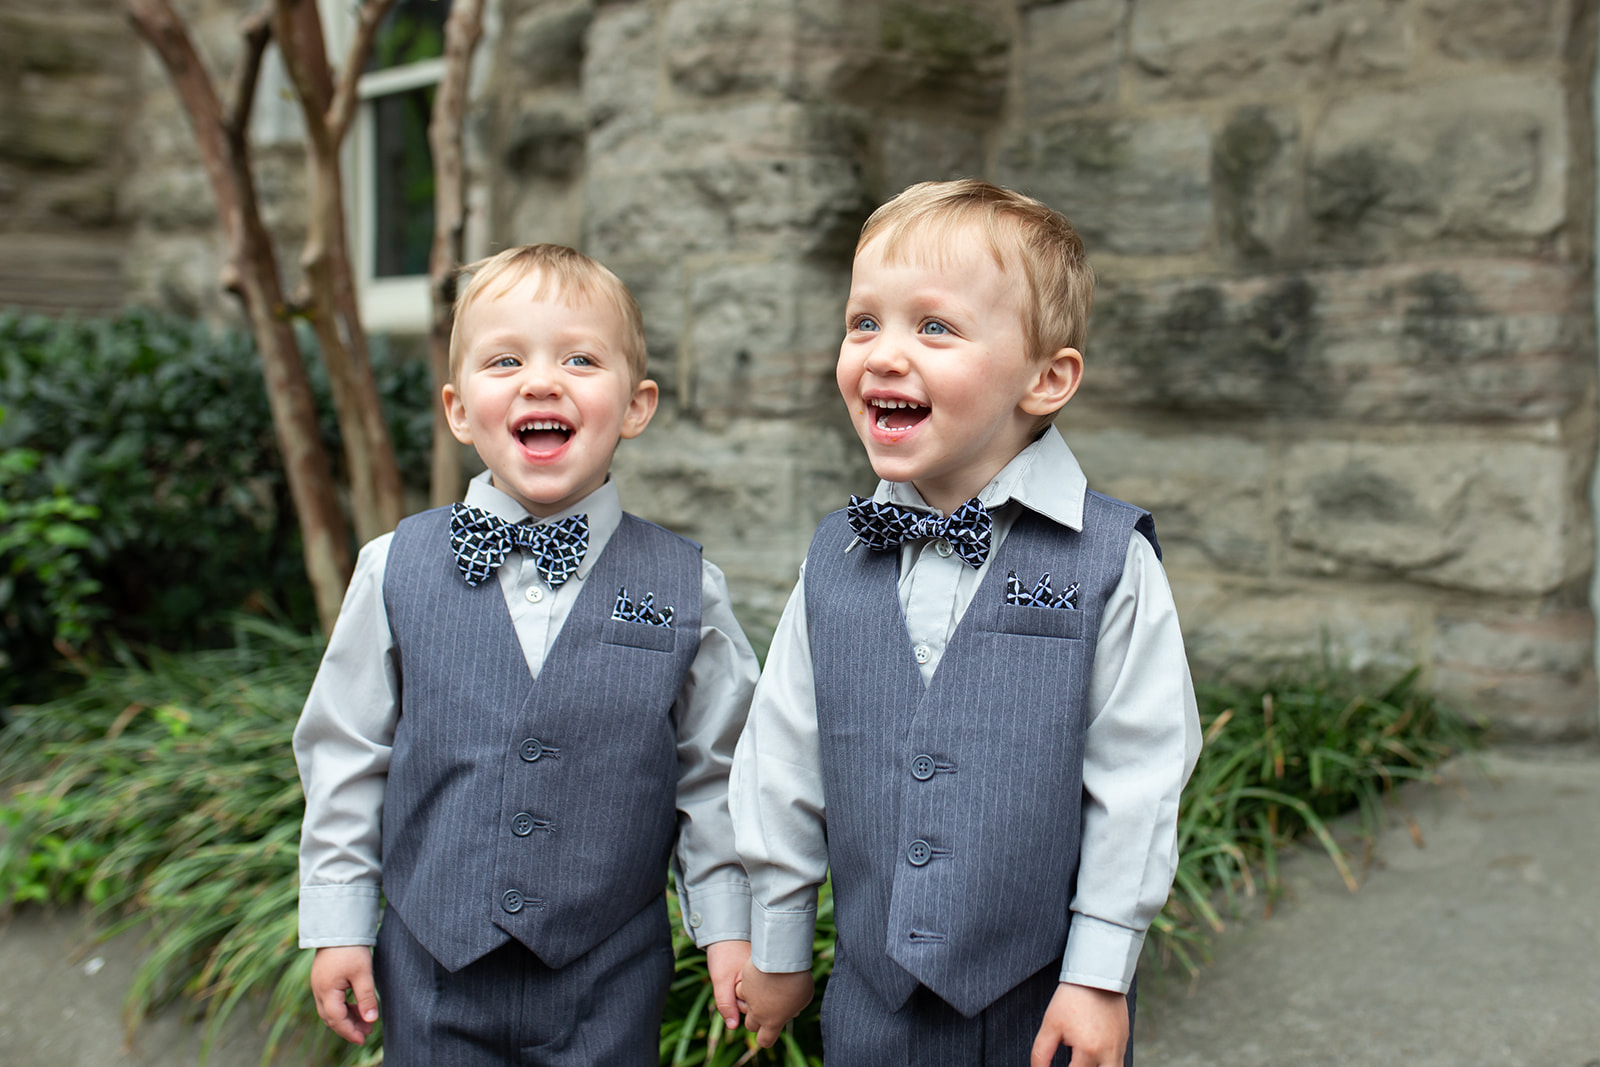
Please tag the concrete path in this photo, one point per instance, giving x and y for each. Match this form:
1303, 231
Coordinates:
1482, 947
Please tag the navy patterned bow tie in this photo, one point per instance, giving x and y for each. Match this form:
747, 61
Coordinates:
883, 526
481, 542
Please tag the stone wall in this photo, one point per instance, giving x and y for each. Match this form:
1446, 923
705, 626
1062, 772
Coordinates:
64, 74
1344, 342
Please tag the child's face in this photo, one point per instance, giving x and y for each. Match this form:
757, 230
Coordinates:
544, 394
935, 370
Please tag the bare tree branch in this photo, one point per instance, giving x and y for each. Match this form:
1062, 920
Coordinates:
462, 30
347, 94
257, 33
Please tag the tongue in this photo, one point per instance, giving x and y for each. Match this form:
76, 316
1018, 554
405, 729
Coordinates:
544, 440
903, 418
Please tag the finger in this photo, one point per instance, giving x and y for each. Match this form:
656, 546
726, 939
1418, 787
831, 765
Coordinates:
767, 1036
1044, 1048
366, 998
727, 1003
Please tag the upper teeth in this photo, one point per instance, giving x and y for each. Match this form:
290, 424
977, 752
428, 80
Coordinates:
541, 424
894, 404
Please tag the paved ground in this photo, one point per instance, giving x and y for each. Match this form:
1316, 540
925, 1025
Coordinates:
1480, 947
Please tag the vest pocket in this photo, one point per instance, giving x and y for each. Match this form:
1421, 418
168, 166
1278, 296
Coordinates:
1039, 622
639, 635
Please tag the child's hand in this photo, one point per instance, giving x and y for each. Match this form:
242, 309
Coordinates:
335, 970
772, 1000
725, 959
1094, 1022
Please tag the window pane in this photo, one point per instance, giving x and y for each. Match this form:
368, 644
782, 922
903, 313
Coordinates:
412, 30
404, 176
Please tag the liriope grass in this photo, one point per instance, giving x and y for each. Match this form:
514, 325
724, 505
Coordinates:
165, 795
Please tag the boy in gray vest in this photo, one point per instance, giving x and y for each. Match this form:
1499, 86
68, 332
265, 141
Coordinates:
976, 710
528, 700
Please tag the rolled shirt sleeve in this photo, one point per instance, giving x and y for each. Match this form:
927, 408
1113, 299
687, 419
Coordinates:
1142, 740
342, 744
710, 712
775, 793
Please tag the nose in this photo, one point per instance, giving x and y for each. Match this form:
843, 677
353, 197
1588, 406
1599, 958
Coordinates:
539, 379
886, 355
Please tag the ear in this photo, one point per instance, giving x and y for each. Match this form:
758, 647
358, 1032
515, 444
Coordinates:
1053, 386
641, 408
455, 412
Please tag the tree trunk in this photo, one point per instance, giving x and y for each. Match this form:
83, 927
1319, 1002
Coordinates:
377, 500
251, 273
461, 33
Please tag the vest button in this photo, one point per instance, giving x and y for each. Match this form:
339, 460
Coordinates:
511, 901
922, 768
531, 749
522, 824
919, 853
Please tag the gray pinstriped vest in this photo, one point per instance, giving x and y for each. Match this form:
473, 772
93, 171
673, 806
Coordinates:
542, 810
954, 808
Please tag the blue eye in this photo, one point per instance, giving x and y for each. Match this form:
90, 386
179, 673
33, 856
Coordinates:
506, 361
866, 322
580, 360
935, 327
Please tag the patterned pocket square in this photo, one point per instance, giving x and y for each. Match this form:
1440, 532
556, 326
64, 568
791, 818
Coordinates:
644, 611
1042, 596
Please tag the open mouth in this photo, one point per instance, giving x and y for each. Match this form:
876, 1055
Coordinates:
543, 435
897, 414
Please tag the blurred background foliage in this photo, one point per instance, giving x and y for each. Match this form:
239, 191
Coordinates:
158, 645
142, 498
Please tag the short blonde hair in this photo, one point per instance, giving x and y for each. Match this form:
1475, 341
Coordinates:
1060, 280
564, 273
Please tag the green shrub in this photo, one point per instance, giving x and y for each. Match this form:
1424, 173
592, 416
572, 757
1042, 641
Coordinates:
167, 793
158, 432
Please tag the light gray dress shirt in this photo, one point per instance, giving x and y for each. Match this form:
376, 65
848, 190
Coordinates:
343, 739
1142, 740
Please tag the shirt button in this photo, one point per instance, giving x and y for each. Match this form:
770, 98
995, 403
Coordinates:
942, 547
511, 901
535, 594
919, 853
922, 768
695, 920
531, 749
922, 653
522, 824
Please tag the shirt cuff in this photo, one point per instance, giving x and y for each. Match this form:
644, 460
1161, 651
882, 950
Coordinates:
780, 941
716, 912
333, 915
1101, 954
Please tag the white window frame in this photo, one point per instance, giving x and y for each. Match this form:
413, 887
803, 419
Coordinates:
399, 304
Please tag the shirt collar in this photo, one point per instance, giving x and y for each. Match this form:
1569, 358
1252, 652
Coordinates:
1044, 477
603, 507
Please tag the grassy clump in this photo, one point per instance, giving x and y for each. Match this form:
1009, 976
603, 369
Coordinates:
167, 794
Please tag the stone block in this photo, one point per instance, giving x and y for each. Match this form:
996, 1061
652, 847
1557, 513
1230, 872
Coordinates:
658, 286
1428, 342
778, 178
1530, 671
1070, 54
1475, 162
1255, 171
621, 69
939, 56
715, 47
1250, 633
1493, 518
1135, 186
1183, 50
763, 338
1208, 493
1496, 29
546, 42
751, 491
545, 138
914, 151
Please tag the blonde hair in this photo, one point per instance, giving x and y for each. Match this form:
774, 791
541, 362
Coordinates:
1060, 280
564, 273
